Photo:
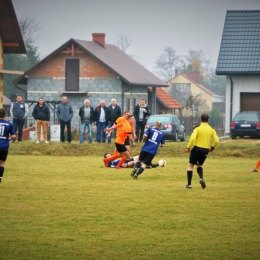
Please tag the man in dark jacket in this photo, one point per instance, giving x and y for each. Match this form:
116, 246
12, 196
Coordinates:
113, 113
65, 114
141, 114
19, 111
101, 121
41, 113
86, 114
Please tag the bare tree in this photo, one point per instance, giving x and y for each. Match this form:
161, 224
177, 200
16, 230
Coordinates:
167, 64
30, 29
123, 42
196, 104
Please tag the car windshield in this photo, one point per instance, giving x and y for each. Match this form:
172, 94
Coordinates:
246, 117
163, 119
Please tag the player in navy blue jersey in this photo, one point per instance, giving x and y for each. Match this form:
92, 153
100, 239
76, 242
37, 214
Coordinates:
7, 134
153, 138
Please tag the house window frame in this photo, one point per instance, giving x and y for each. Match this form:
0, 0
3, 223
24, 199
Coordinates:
72, 75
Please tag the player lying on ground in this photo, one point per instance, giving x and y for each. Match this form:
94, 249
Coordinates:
128, 163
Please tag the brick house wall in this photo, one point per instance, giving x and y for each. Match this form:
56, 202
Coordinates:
47, 80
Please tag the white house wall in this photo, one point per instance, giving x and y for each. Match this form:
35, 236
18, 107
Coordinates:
241, 83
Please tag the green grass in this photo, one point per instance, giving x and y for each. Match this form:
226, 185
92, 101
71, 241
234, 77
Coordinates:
71, 207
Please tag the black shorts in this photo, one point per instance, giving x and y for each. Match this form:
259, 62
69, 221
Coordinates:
3, 155
146, 158
127, 141
120, 148
198, 155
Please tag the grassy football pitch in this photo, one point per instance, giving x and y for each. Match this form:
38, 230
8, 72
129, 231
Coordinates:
60, 207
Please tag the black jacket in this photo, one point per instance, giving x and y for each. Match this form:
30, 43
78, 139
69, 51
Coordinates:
41, 113
92, 114
146, 115
113, 113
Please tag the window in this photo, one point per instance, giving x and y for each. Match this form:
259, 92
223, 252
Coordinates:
72, 75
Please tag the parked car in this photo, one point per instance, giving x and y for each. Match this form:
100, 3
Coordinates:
172, 128
246, 123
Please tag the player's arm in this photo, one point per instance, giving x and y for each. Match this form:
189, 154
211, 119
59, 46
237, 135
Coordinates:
12, 137
111, 128
216, 141
144, 137
192, 140
110, 132
131, 139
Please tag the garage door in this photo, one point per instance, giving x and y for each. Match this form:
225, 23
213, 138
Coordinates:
250, 101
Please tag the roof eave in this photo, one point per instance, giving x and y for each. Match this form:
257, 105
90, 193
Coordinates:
219, 73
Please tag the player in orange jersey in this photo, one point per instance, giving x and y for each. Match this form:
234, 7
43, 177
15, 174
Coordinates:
124, 130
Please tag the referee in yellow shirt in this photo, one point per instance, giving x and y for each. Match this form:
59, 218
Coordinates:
201, 143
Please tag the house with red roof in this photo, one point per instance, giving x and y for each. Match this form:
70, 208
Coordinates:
165, 104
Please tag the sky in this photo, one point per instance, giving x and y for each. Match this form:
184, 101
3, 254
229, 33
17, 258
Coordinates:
151, 25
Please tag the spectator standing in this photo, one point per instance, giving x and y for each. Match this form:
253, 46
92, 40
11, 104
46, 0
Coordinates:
153, 138
19, 111
86, 114
200, 140
6, 134
113, 113
41, 113
65, 114
141, 114
101, 121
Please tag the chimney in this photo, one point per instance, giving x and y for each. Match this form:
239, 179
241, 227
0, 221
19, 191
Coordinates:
99, 38
194, 75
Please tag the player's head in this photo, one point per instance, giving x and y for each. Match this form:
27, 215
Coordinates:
204, 118
158, 124
106, 155
131, 118
2, 113
126, 113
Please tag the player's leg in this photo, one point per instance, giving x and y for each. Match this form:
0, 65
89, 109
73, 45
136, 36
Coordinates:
146, 160
3, 157
126, 156
256, 166
192, 161
201, 159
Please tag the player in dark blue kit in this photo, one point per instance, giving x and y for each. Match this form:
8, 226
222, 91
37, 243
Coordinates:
153, 138
6, 135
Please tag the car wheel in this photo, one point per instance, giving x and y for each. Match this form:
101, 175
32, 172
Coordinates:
175, 138
183, 138
233, 136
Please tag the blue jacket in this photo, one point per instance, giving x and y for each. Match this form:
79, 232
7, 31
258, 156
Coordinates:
64, 112
19, 110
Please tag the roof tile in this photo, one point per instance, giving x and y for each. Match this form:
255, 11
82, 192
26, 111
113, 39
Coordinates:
240, 49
